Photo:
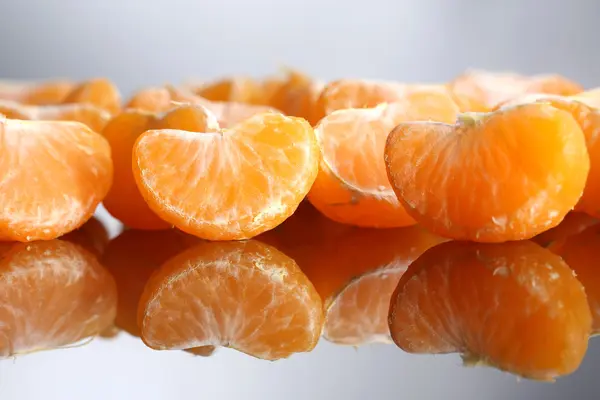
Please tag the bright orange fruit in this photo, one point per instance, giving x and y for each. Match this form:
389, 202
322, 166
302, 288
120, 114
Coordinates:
296, 95
36, 93
95, 118
92, 236
55, 175
244, 295
506, 175
484, 90
52, 294
151, 99
352, 186
124, 200
240, 89
515, 306
228, 185
572, 224
132, 257
99, 92
582, 252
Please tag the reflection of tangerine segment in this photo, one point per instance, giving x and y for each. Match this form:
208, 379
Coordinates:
588, 119
515, 306
131, 258
483, 90
92, 236
52, 294
95, 118
582, 252
352, 186
506, 175
55, 175
124, 200
572, 224
243, 295
356, 285
228, 185
99, 92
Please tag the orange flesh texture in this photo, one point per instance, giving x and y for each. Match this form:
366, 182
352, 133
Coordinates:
572, 224
229, 185
356, 285
582, 252
92, 236
243, 295
507, 175
52, 294
239, 90
588, 119
132, 257
352, 186
95, 118
297, 96
515, 306
124, 200
152, 99
35, 93
482, 91
99, 92
55, 175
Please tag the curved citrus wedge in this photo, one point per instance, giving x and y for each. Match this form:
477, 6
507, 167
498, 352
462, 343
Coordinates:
228, 185
132, 257
515, 306
95, 118
240, 89
151, 99
99, 92
297, 95
36, 93
52, 294
484, 90
582, 252
244, 295
124, 200
506, 175
55, 175
352, 186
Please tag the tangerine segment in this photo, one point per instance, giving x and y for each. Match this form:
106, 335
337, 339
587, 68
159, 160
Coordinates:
35, 93
95, 118
132, 257
582, 252
99, 92
124, 200
228, 185
352, 186
296, 95
243, 295
52, 294
55, 175
151, 99
516, 306
484, 90
237, 89
507, 175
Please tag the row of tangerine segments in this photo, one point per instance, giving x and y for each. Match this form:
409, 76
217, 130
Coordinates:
475, 299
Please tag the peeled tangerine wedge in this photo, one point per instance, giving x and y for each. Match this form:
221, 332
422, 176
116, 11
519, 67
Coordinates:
124, 200
36, 93
585, 109
244, 295
515, 306
54, 176
506, 175
352, 186
227, 185
95, 118
99, 92
52, 294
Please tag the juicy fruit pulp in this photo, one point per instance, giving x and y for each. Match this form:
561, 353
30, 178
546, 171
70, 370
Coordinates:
516, 306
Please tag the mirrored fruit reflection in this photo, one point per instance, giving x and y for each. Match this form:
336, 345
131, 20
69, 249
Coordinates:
92, 236
244, 295
573, 223
52, 294
515, 306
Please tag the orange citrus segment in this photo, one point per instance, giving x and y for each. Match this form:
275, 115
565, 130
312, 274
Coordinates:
352, 186
55, 175
36, 93
238, 89
506, 175
227, 185
515, 306
99, 92
52, 294
152, 99
243, 295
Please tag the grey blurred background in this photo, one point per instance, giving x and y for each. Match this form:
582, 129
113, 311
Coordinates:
141, 42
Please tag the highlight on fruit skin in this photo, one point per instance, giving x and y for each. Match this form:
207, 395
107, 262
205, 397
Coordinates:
515, 306
506, 175
246, 180
244, 295
56, 173
53, 294
352, 186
